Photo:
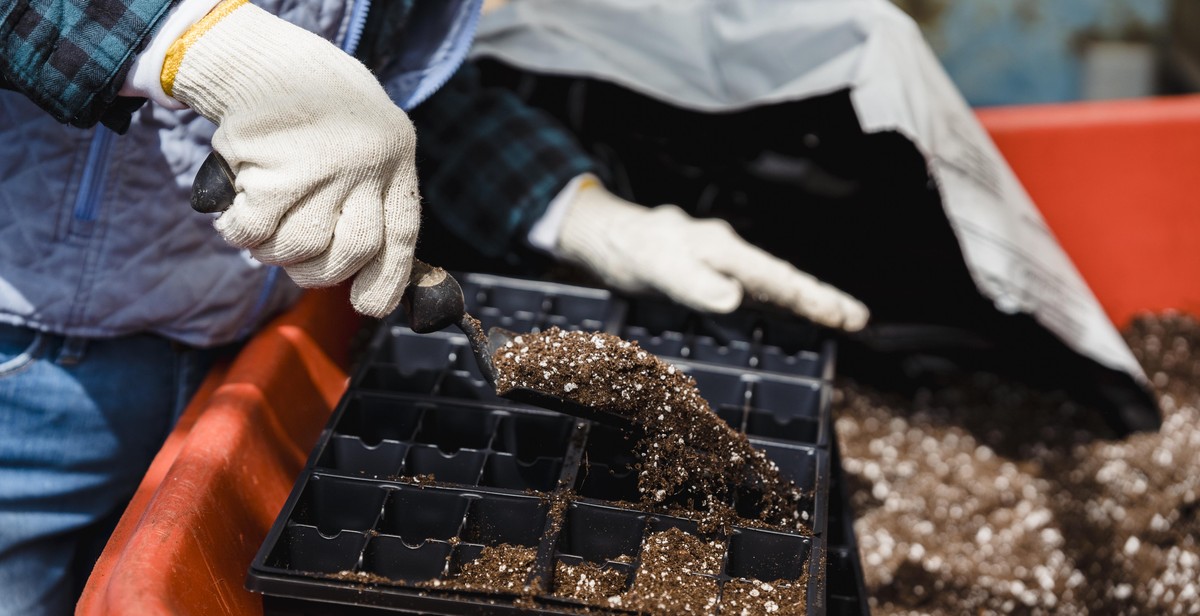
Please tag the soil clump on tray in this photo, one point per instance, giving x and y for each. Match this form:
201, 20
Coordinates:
689, 460
589, 583
668, 578
758, 598
676, 574
501, 567
987, 496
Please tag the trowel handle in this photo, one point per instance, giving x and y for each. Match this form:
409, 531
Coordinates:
212, 190
433, 299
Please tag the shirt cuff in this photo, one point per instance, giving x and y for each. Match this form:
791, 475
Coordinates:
543, 235
145, 77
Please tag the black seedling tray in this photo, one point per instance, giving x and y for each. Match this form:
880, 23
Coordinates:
763, 404
845, 590
367, 530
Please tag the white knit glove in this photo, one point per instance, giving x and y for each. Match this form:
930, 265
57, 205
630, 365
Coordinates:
702, 264
324, 161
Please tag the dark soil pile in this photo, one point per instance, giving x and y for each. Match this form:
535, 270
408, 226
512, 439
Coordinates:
688, 457
989, 497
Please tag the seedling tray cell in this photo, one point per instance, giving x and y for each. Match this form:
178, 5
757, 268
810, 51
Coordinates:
350, 455
494, 519
375, 418
766, 405
747, 340
808, 467
504, 470
462, 467
306, 549
334, 504
664, 344
530, 437
423, 475
598, 533
801, 363
525, 305
394, 558
767, 556
415, 514
734, 353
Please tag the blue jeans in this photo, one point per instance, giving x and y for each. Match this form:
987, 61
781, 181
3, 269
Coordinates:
80, 421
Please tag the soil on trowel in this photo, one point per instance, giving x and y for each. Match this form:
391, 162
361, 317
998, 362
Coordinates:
689, 460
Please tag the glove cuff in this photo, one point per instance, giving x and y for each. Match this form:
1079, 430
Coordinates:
590, 224
179, 48
242, 58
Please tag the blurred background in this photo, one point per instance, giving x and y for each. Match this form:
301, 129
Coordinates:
1006, 52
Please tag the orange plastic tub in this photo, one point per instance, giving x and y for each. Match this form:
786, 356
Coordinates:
1114, 183
185, 542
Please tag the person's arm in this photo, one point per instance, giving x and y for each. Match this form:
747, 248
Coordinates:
499, 173
324, 161
490, 164
701, 263
71, 57
144, 79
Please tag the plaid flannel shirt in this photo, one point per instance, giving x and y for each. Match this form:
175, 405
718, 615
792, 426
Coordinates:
71, 56
489, 163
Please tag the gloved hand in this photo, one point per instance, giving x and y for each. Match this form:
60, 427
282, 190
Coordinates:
324, 161
702, 264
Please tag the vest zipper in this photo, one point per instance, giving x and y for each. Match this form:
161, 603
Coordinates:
95, 170
476, 9
358, 21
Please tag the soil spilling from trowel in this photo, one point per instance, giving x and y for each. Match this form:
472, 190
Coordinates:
690, 461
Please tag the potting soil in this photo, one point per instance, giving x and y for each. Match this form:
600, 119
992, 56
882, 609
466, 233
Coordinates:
674, 576
986, 496
501, 567
688, 458
589, 583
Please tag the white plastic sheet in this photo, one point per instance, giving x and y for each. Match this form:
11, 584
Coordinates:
724, 55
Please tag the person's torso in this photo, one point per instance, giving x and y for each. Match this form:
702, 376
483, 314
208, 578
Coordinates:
96, 236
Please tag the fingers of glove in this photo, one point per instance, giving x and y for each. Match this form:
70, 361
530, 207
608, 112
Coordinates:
647, 249
244, 226
264, 196
855, 314
357, 236
310, 227
380, 283
693, 283
776, 281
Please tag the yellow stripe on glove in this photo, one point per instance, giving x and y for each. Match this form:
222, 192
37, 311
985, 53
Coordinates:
179, 48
